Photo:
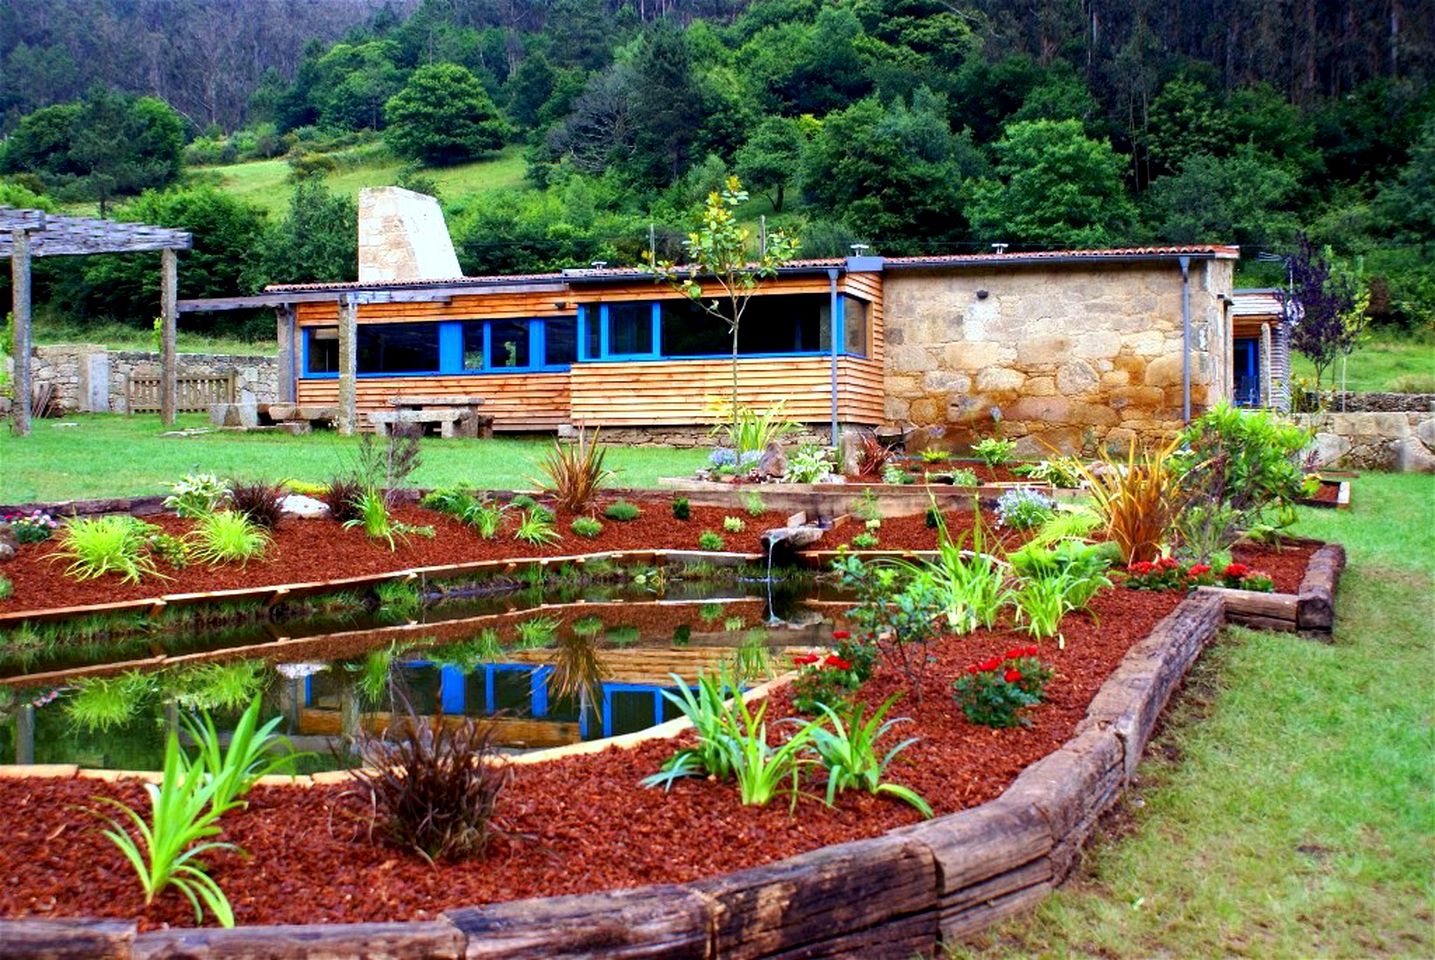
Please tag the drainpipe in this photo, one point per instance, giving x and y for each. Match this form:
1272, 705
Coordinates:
1186, 339
832, 323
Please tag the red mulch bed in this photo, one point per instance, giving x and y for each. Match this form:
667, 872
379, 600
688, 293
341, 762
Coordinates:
590, 827
305, 550
1327, 492
1285, 564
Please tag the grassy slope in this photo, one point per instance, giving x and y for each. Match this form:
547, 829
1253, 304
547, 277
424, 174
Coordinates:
265, 183
1388, 361
1286, 810
112, 455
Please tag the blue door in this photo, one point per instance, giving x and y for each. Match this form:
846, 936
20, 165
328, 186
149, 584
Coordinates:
1245, 364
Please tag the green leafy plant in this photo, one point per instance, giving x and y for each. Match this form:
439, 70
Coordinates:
829, 679
682, 510
214, 686
96, 546
932, 517
196, 494
586, 527
933, 455
1066, 524
994, 451
1064, 472
753, 503
900, 619
7, 589
372, 516
228, 537
964, 477
399, 599
866, 540
866, 508
253, 752
173, 550
713, 717
95, 704
1024, 508
622, 511
894, 474
1042, 602
733, 524
575, 472
166, 851
849, 752
536, 632
536, 528
969, 586
710, 540
750, 432
808, 464
995, 691
763, 771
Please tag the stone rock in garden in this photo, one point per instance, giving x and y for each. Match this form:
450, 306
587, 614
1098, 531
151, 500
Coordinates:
297, 505
850, 450
781, 543
1328, 449
8, 543
297, 428
234, 414
773, 463
1412, 456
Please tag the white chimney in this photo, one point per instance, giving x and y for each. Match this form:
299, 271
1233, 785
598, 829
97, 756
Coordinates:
402, 236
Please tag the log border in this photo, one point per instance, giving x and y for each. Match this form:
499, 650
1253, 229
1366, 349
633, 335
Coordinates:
899, 894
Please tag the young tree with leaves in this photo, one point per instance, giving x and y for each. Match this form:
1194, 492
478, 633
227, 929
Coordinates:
719, 251
1329, 306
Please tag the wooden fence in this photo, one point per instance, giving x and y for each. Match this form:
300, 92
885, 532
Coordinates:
196, 393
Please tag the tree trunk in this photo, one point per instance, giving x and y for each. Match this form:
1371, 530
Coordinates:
737, 454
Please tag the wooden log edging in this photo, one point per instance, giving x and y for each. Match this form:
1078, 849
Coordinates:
896, 895
1310, 609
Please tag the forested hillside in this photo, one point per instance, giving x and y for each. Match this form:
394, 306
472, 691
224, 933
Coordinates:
905, 124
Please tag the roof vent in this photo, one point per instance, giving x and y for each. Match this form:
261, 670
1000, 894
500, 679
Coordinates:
598, 264
999, 248
860, 249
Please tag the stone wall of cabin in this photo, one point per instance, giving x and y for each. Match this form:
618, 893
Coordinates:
1071, 356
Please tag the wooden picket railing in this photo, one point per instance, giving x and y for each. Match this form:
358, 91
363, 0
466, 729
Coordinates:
195, 393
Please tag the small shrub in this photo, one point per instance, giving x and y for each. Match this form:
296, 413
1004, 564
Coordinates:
713, 718
523, 502
374, 519
896, 475
866, 540
964, 477
536, 632
932, 517
259, 501
455, 502
342, 497
433, 786
1024, 508
808, 464
994, 451
196, 494
753, 503
829, 679
933, 455
873, 457
228, 537
173, 550
398, 599
710, 540
1064, 472
733, 524
1043, 602
96, 546
575, 472
7, 589
35, 527
866, 508
622, 511
587, 527
682, 510
994, 692
535, 527
849, 752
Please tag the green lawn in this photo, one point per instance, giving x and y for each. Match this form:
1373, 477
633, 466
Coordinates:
1286, 810
1385, 362
265, 183
113, 455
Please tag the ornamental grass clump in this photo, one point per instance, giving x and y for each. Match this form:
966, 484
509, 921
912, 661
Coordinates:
342, 495
227, 537
258, 500
622, 511
996, 691
713, 717
586, 527
97, 546
575, 472
873, 456
373, 517
433, 786
1137, 499
535, 527
849, 751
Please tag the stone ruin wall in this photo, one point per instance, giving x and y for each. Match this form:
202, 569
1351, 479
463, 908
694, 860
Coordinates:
89, 378
1073, 356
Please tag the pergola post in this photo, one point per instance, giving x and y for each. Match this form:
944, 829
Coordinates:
20, 348
348, 364
288, 356
169, 316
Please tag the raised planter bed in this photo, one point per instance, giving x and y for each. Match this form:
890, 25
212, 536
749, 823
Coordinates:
1332, 494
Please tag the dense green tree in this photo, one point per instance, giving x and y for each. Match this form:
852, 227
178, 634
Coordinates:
1054, 186
443, 115
528, 88
353, 82
769, 160
893, 173
40, 144
808, 67
1242, 198
1408, 201
666, 107
1061, 95
228, 236
316, 242
1185, 119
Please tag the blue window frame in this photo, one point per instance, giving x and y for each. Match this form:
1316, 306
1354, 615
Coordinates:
507, 345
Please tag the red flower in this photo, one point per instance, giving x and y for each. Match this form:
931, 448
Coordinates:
1141, 567
837, 663
1016, 652
1237, 570
973, 668
1167, 563
1013, 676
805, 659
840, 634
1199, 570
1030, 651
991, 664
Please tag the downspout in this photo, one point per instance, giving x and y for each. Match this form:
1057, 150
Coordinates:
1186, 339
832, 323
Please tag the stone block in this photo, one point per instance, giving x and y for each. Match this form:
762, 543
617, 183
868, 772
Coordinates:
1327, 449
1413, 456
1099, 345
1000, 380
1041, 387
926, 410
1076, 377
234, 414
1425, 431
973, 355
910, 359
1163, 371
1044, 409
1044, 350
944, 380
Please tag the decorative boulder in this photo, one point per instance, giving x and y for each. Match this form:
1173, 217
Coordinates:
306, 508
8, 544
773, 464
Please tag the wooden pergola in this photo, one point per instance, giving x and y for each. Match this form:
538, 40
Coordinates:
25, 234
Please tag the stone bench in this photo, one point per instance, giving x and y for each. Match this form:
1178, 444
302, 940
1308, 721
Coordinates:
451, 421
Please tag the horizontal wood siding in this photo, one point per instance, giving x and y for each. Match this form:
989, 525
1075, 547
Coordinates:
517, 402
679, 392
480, 306
868, 286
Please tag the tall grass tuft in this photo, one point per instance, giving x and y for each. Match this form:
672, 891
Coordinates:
228, 537
96, 546
575, 472
259, 501
1137, 499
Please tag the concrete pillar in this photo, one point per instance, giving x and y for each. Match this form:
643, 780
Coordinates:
169, 321
288, 355
20, 347
348, 365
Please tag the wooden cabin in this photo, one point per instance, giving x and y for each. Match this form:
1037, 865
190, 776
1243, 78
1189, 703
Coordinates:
1260, 350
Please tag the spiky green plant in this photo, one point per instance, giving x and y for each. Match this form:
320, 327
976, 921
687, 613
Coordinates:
575, 472
215, 686
761, 769
399, 599
536, 528
849, 752
253, 752
713, 717
96, 546
96, 704
537, 632
227, 537
622, 511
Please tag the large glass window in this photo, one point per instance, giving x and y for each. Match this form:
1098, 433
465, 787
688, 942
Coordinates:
854, 326
560, 341
474, 358
794, 323
398, 348
323, 350
508, 344
630, 329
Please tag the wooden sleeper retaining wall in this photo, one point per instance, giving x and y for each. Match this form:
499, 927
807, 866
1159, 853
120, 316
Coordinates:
896, 895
